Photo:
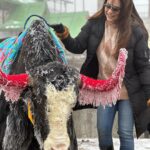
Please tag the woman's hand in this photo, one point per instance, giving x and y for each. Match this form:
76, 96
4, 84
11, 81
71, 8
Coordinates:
61, 31
59, 28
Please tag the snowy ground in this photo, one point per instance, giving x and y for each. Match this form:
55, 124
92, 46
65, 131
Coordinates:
92, 144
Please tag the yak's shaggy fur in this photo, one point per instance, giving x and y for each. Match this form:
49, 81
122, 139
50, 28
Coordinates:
39, 58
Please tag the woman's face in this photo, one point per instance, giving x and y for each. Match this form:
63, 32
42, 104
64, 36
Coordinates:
112, 10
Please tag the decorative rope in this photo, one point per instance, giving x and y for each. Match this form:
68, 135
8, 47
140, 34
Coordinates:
104, 92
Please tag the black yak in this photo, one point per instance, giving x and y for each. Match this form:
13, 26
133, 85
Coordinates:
41, 118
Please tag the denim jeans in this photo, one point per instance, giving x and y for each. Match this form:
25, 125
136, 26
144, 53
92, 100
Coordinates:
105, 119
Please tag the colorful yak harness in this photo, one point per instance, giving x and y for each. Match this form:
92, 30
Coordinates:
13, 85
95, 92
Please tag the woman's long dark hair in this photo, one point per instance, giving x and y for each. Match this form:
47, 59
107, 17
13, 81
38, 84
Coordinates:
127, 18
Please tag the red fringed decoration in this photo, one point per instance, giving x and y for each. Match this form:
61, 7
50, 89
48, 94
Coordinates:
13, 85
104, 92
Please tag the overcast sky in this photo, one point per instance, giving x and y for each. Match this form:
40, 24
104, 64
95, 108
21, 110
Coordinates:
91, 6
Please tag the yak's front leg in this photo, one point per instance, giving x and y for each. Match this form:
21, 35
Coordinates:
19, 131
60, 105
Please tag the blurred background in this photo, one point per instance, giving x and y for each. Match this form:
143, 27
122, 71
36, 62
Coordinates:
72, 13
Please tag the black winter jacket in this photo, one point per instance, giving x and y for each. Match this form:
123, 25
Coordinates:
137, 71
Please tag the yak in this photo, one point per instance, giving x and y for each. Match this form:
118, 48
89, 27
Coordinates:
41, 118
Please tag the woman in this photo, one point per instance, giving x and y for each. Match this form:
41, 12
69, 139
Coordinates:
117, 25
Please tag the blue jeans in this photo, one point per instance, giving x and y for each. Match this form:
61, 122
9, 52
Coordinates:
105, 119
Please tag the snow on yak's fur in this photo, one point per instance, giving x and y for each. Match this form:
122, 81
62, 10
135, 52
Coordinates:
52, 95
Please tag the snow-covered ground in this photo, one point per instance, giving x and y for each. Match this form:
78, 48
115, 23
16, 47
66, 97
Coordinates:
92, 144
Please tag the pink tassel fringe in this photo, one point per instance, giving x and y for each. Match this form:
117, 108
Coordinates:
104, 92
